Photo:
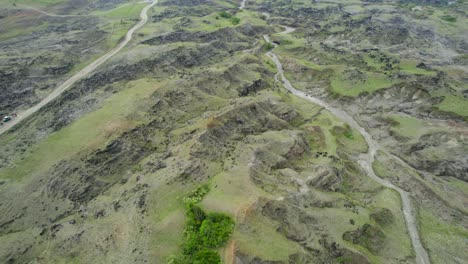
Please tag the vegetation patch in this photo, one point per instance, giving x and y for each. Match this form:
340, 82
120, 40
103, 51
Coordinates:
268, 46
408, 126
368, 236
204, 232
412, 67
226, 15
354, 82
437, 233
455, 104
449, 18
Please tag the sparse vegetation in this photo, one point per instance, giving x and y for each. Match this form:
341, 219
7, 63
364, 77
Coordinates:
226, 15
212, 123
449, 18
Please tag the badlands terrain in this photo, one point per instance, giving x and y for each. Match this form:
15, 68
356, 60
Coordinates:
228, 131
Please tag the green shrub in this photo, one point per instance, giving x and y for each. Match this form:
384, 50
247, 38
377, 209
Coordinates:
216, 230
203, 232
449, 18
225, 14
343, 260
268, 46
192, 243
197, 195
195, 217
349, 134
206, 256
235, 20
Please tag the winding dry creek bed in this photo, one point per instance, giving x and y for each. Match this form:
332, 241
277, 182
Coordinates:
365, 160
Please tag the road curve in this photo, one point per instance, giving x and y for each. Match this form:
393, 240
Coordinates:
242, 4
365, 160
85, 71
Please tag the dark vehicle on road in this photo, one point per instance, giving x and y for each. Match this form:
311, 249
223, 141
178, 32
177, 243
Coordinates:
6, 119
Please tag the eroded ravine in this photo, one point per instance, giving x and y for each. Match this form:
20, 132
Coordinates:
365, 160
85, 71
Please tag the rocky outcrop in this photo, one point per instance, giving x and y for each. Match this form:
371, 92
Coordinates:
382, 216
368, 236
326, 179
451, 159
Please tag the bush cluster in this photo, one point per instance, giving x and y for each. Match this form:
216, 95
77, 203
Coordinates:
197, 195
204, 232
226, 15
268, 46
449, 18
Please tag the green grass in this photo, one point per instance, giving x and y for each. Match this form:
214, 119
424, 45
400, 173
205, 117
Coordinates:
262, 240
444, 240
14, 30
459, 184
337, 222
117, 32
120, 20
123, 11
455, 104
326, 121
410, 67
208, 23
90, 131
290, 42
398, 243
37, 2
350, 138
372, 83
167, 214
314, 66
380, 170
214, 21
449, 18
409, 126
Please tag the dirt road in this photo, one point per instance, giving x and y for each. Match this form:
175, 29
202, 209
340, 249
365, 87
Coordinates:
85, 71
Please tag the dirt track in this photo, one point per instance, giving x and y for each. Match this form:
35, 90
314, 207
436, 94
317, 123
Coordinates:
85, 71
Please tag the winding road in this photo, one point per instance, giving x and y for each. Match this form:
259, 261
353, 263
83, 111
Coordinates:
82, 73
365, 160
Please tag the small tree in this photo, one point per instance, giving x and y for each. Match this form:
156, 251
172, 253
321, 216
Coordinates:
235, 20
225, 14
216, 230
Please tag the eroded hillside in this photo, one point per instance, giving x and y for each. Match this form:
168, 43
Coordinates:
102, 174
